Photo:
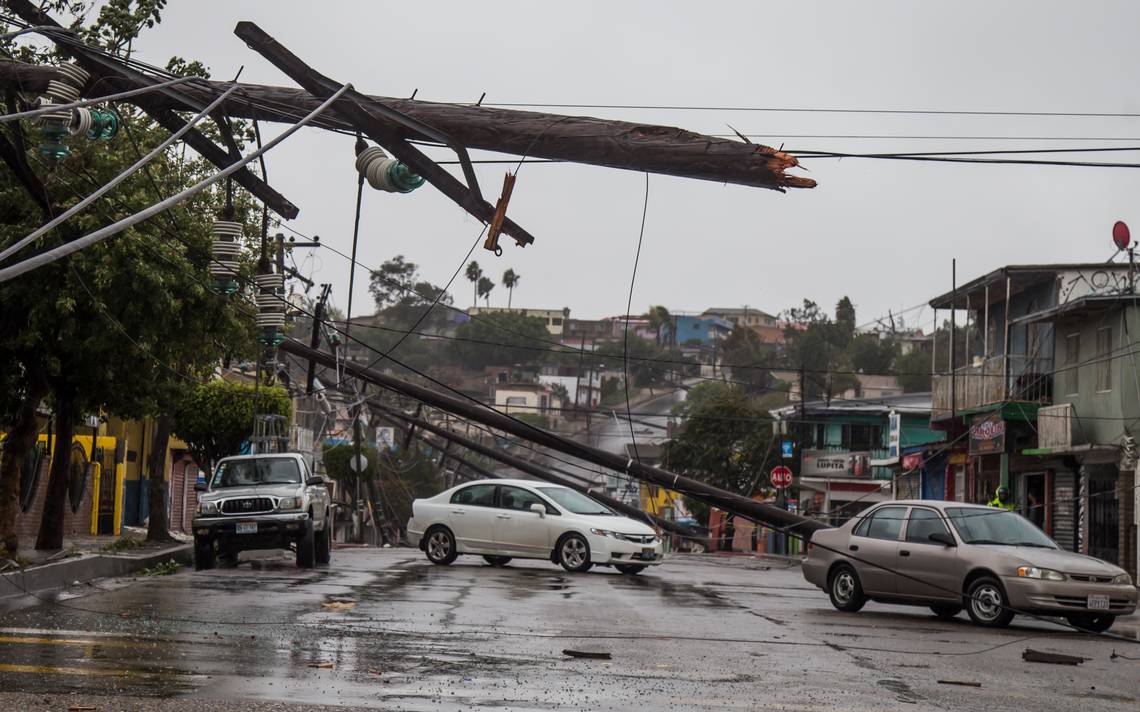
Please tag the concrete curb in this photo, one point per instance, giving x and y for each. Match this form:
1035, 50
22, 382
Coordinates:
64, 573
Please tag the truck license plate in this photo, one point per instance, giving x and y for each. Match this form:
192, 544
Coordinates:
1098, 602
251, 528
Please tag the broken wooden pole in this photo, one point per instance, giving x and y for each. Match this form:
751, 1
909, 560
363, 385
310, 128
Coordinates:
575, 139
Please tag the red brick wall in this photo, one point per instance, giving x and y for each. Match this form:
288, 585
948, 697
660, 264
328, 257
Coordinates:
76, 524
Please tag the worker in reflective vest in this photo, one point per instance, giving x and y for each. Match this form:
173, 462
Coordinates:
1001, 499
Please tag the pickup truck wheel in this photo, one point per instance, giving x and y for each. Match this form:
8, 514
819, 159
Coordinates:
203, 554
324, 544
306, 546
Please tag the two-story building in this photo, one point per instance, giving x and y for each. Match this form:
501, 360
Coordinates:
697, 330
553, 319
1048, 399
846, 454
767, 327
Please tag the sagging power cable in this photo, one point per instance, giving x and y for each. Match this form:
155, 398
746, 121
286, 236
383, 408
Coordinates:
52, 255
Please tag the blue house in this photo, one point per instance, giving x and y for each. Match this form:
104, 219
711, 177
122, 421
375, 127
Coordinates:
704, 330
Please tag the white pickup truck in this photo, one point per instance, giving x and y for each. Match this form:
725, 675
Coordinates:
270, 501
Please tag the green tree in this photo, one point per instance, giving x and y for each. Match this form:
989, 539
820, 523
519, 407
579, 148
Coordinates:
483, 289
724, 438
818, 345
510, 281
121, 321
500, 339
473, 273
659, 318
751, 359
913, 368
393, 283
871, 354
845, 320
215, 418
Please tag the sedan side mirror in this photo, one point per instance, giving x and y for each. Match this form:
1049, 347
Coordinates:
942, 538
200, 487
539, 509
315, 481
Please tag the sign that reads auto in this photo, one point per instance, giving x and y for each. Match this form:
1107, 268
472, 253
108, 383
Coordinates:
987, 434
829, 463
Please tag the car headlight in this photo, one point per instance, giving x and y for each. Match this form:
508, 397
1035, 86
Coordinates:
1035, 572
289, 503
207, 508
608, 533
1123, 578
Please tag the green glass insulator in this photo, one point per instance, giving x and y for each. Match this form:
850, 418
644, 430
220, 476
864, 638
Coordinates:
402, 178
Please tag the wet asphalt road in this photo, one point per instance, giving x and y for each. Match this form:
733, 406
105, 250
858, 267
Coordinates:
698, 633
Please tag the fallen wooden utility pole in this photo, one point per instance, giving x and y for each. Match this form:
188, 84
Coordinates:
730, 502
576, 139
533, 470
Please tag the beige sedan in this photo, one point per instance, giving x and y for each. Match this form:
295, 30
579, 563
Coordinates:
950, 556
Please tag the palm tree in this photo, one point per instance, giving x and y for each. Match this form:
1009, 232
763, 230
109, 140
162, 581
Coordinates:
483, 289
510, 279
659, 317
473, 273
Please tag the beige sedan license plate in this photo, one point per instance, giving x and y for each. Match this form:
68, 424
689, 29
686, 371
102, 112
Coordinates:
1098, 602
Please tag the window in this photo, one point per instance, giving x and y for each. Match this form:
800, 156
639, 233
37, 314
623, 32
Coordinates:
924, 522
516, 400
861, 527
574, 501
556, 321
977, 525
1104, 359
1072, 358
519, 499
475, 495
886, 523
862, 436
257, 471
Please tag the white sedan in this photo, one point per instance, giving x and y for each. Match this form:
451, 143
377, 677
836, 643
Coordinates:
505, 519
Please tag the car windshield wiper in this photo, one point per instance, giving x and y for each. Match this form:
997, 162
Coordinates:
985, 541
1033, 543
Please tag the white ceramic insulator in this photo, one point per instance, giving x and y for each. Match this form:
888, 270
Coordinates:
373, 164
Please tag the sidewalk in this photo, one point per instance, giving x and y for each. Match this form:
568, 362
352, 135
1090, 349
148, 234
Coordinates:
86, 558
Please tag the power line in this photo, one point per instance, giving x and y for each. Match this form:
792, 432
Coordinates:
816, 110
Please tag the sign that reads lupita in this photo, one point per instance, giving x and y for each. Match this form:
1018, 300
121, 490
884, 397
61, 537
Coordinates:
987, 435
828, 463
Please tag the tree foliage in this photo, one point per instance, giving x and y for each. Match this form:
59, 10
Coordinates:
751, 359
500, 339
724, 438
215, 418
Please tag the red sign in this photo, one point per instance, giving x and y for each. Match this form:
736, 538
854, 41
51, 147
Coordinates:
781, 477
1120, 235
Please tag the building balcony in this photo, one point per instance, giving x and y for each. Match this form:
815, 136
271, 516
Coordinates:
990, 382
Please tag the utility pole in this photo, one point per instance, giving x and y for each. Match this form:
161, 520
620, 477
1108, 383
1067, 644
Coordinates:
953, 311
315, 337
357, 509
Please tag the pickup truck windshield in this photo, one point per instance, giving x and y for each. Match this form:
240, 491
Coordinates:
996, 526
262, 471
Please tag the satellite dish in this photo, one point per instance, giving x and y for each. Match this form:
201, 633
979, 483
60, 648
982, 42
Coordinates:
1120, 235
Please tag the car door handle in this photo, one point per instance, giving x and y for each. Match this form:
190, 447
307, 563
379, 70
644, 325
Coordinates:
904, 553
458, 511
854, 547
504, 516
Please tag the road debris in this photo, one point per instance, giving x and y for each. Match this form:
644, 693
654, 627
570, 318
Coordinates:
592, 654
1037, 656
81, 708
339, 605
963, 683
1116, 655
323, 665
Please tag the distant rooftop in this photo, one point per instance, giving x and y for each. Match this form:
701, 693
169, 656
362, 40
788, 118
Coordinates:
905, 403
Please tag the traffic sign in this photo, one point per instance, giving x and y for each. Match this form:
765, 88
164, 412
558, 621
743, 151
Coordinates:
781, 477
358, 463
787, 448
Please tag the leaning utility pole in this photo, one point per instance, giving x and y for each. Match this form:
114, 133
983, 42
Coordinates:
480, 413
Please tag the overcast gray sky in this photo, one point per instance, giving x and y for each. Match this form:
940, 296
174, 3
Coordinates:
883, 232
